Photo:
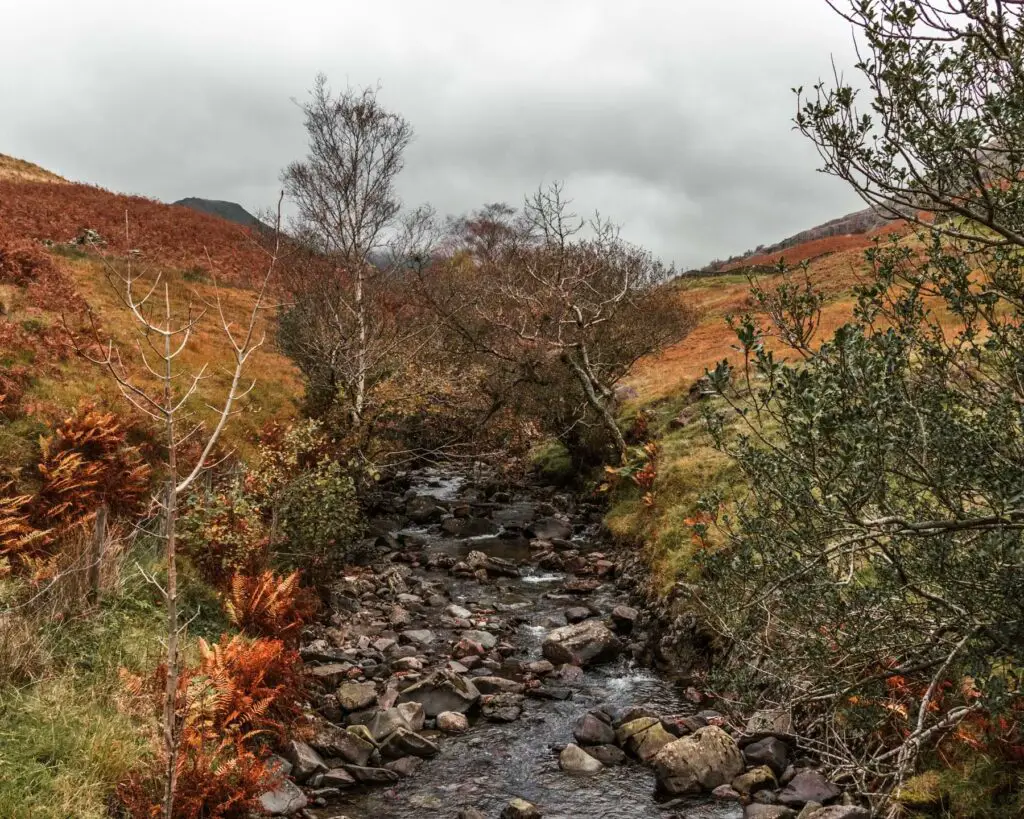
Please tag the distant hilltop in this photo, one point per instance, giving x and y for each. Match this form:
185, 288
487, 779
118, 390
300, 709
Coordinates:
231, 211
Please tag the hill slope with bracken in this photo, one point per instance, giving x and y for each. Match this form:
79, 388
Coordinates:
59, 244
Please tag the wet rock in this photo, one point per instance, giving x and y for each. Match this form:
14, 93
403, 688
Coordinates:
589, 730
646, 744
458, 612
470, 813
502, 707
493, 566
407, 664
332, 674
516, 517
755, 779
808, 786
423, 509
406, 766
520, 809
407, 715
356, 696
372, 776
581, 585
702, 761
442, 691
451, 722
286, 799
332, 741
498, 685
582, 644
468, 648
539, 668
304, 761
770, 751
577, 761
634, 726
607, 755
469, 527
570, 673
637, 712
419, 637
624, 618
549, 529
484, 638
403, 742
545, 693
577, 614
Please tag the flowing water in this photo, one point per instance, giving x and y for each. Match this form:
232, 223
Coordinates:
495, 762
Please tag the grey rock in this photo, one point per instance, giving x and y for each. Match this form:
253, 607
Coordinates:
372, 776
702, 761
520, 809
332, 741
550, 529
770, 751
839, 812
403, 742
442, 691
624, 618
582, 644
494, 566
756, 779
450, 722
337, 778
575, 760
356, 696
770, 721
756, 811
286, 799
577, 614
458, 612
484, 638
407, 715
406, 766
589, 730
304, 760
808, 786
607, 755
498, 685
419, 637
502, 707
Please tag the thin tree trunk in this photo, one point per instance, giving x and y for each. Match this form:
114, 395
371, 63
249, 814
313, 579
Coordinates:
96, 558
359, 399
598, 405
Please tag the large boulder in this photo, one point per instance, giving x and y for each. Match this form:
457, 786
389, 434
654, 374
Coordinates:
702, 761
286, 799
407, 715
574, 759
442, 691
770, 751
356, 696
582, 644
304, 760
423, 509
589, 730
646, 744
331, 741
372, 776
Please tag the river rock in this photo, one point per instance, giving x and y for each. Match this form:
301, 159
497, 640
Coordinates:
470, 813
498, 685
484, 638
624, 618
420, 637
756, 811
550, 529
286, 799
451, 722
589, 730
539, 668
646, 744
502, 707
406, 766
423, 509
304, 760
372, 776
331, 741
356, 696
582, 644
520, 809
808, 786
770, 751
577, 614
575, 760
458, 612
336, 778
442, 691
607, 755
726, 793
755, 779
331, 674
403, 742
494, 566
837, 812
633, 726
776, 721
702, 761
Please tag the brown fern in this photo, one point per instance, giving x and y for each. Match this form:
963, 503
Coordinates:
269, 605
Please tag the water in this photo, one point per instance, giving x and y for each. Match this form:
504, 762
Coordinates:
494, 762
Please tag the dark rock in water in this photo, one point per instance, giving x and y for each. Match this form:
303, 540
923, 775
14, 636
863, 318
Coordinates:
539, 668
484, 638
589, 730
634, 726
502, 707
545, 693
550, 529
408, 715
575, 760
516, 517
470, 813
607, 755
520, 809
336, 778
577, 614
808, 786
770, 751
372, 776
494, 566
581, 585
624, 618
582, 644
304, 761
424, 509
403, 742
469, 527
498, 685
442, 691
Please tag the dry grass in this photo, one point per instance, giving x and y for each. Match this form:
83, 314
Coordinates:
18, 170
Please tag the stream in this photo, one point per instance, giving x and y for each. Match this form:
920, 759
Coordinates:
495, 762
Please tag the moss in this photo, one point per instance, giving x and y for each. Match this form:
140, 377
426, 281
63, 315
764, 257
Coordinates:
922, 791
552, 462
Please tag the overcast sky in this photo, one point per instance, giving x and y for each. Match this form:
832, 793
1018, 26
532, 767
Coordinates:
673, 117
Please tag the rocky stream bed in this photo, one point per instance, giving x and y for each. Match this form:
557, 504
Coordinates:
483, 665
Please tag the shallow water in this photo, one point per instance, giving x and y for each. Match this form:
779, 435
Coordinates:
494, 763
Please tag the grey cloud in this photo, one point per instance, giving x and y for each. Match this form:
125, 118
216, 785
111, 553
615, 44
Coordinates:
671, 118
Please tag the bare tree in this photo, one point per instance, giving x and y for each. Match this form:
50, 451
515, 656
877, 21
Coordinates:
163, 338
345, 327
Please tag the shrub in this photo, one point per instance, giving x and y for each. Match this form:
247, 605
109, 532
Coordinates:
320, 519
223, 534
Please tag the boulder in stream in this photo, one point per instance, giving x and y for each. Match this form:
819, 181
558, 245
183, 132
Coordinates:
577, 761
702, 761
581, 644
442, 691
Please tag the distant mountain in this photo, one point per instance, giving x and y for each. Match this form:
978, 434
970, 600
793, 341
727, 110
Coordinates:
231, 211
